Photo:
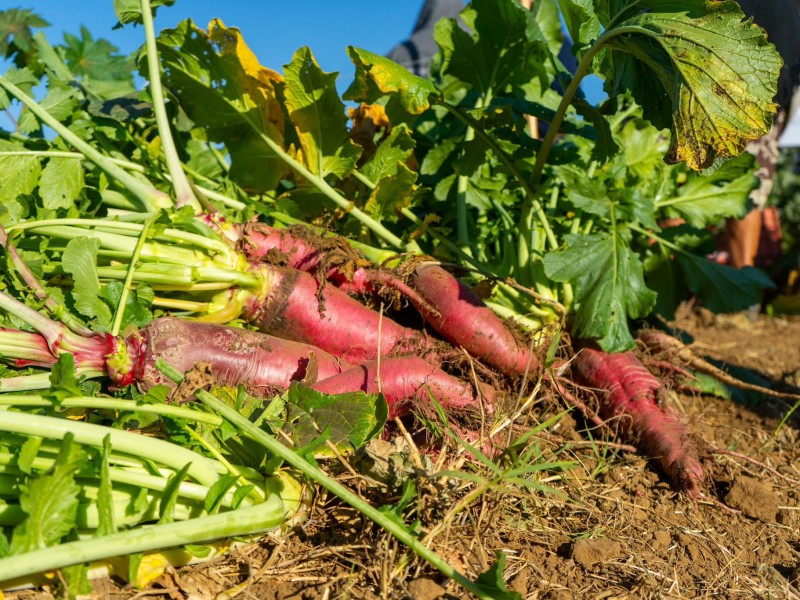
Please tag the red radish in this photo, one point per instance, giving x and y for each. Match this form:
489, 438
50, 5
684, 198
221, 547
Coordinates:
301, 249
237, 356
463, 319
296, 308
453, 310
405, 378
628, 398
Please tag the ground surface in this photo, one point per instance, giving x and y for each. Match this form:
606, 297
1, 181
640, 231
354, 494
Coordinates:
617, 530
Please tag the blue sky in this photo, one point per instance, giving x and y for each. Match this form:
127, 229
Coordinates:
273, 29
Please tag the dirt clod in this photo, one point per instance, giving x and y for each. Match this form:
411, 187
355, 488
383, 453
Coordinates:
590, 552
425, 589
754, 499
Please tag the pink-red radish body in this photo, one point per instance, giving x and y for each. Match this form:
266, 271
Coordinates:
403, 379
237, 356
450, 306
297, 309
463, 319
628, 401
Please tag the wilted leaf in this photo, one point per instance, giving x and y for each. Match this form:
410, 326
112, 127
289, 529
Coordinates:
699, 69
378, 76
223, 88
319, 117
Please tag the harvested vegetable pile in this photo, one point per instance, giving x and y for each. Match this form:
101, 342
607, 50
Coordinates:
223, 267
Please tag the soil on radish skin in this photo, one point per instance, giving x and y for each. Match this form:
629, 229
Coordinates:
623, 533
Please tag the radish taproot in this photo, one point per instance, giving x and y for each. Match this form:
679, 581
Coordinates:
297, 308
406, 378
629, 403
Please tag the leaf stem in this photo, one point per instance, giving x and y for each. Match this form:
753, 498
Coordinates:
117, 404
346, 205
149, 196
183, 190
126, 285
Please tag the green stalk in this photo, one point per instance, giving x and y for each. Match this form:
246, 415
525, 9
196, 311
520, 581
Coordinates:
183, 190
126, 285
116, 404
150, 197
52, 305
131, 166
399, 531
243, 521
215, 246
203, 470
346, 205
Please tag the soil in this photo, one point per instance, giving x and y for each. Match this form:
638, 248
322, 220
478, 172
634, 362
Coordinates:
610, 527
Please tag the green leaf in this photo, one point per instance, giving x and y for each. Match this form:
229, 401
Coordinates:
582, 23
722, 288
493, 583
137, 308
378, 76
50, 502
609, 286
19, 175
392, 194
223, 88
704, 200
130, 11
102, 71
61, 183
80, 261
28, 453
16, 37
61, 102
24, 79
318, 115
697, 67
350, 419
505, 49
391, 154
169, 499
63, 379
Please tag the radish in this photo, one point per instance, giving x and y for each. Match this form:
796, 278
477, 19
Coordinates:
297, 308
401, 379
628, 396
463, 319
447, 304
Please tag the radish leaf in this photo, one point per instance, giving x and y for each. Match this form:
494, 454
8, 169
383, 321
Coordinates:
698, 68
609, 286
80, 260
223, 88
318, 116
61, 183
377, 76
50, 502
